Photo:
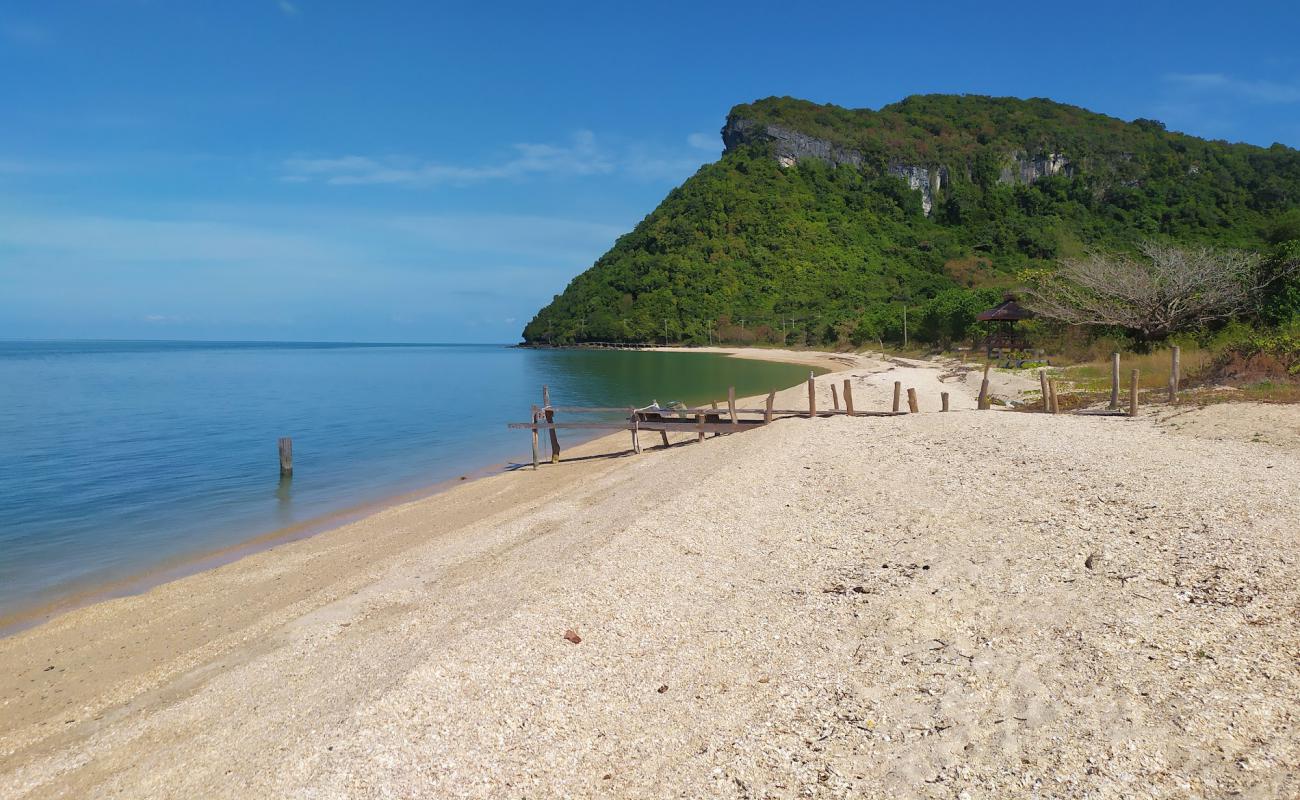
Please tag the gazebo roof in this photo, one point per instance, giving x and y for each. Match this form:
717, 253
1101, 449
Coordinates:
1009, 311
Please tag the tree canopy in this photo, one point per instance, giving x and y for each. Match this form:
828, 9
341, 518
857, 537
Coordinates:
750, 250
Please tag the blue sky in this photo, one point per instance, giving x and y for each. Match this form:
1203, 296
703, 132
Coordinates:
418, 171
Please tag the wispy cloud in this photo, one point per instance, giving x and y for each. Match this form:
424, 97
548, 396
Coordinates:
546, 238
161, 240
25, 33
581, 156
1256, 91
704, 141
288, 9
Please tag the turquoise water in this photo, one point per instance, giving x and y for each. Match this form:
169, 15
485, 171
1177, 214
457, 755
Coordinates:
116, 457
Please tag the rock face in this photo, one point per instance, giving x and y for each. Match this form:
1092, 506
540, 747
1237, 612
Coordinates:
928, 180
789, 147
1025, 168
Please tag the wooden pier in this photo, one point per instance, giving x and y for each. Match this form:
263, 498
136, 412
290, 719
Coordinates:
682, 419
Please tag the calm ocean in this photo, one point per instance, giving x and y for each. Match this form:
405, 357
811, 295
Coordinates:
118, 457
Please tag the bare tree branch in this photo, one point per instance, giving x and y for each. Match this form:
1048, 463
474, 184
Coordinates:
1168, 290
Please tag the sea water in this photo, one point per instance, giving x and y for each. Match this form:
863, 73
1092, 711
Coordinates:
119, 457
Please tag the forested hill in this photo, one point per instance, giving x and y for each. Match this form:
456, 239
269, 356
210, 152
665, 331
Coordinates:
819, 223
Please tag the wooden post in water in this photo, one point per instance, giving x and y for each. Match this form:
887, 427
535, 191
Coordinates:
286, 457
848, 397
550, 417
1174, 370
534, 437
1047, 395
767, 412
943, 398
983, 403
812, 396
731, 404
1114, 381
1133, 394
1051, 392
912, 407
898, 389
835, 397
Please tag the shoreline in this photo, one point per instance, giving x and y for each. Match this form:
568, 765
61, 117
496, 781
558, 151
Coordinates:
89, 592
831, 607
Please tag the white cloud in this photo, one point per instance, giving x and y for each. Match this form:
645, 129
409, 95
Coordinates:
704, 141
1257, 91
581, 156
289, 9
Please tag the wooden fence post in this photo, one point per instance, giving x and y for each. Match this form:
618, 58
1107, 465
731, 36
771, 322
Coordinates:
1114, 381
835, 397
1051, 392
699, 421
731, 404
983, 403
848, 397
633, 417
534, 437
812, 396
1047, 395
767, 412
1133, 394
898, 389
943, 398
286, 457
550, 417
912, 407
1174, 376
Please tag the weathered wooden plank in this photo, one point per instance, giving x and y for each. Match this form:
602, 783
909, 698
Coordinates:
535, 412
898, 395
1133, 394
943, 399
848, 397
550, 417
835, 397
912, 405
1114, 380
1175, 372
767, 412
731, 403
812, 396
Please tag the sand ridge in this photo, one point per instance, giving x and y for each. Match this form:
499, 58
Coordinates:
961, 605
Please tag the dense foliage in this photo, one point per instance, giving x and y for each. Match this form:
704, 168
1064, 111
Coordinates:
748, 250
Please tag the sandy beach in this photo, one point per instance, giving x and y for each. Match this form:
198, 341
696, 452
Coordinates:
962, 605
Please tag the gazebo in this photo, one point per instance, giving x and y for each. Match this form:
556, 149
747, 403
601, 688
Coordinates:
1002, 321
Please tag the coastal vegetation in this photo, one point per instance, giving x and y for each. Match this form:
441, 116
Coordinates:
827, 226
